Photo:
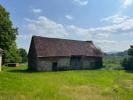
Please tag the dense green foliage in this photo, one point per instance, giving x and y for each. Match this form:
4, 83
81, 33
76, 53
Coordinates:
12, 55
130, 51
128, 61
113, 62
23, 55
18, 84
7, 37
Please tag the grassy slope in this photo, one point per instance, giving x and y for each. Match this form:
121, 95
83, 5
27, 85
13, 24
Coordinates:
16, 84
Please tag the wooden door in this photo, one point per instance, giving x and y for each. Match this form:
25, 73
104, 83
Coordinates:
75, 62
54, 66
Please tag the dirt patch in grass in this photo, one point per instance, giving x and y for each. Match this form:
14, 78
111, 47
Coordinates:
84, 92
128, 83
12, 96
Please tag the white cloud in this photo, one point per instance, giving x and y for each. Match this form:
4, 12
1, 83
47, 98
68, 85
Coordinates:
103, 35
81, 2
114, 46
106, 41
82, 33
69, 17
24, 36
77, 30
119, 23
45, 27
104, 32
117, 18
36, 10
127, 3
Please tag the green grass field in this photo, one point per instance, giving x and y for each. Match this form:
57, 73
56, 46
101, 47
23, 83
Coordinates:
18, 84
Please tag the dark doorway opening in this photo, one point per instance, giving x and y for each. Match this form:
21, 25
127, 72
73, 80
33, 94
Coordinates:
54, 66
75, 62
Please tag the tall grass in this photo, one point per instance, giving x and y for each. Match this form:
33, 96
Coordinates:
18, 84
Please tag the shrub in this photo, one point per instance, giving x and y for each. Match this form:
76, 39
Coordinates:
128, 61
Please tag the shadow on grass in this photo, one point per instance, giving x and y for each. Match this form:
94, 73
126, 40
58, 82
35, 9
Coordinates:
21, 71
129, 71
33, 71
30, 71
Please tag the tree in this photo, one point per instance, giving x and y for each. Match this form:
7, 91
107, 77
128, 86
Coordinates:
130, 51
12, 55
8, 37
23, 55
128, 62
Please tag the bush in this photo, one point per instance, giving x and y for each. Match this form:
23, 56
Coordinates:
128, 62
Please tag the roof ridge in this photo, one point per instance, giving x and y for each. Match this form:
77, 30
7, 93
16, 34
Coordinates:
34, 36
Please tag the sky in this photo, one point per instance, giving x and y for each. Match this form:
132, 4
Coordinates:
108, 23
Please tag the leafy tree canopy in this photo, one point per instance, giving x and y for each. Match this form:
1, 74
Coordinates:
130, 51
7, 37
23, 55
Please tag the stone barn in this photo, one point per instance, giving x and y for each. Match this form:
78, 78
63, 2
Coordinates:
52, 54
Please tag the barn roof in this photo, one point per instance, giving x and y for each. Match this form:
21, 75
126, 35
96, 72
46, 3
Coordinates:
49, 47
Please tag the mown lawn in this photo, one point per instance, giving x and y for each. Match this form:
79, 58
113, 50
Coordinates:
18, 84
